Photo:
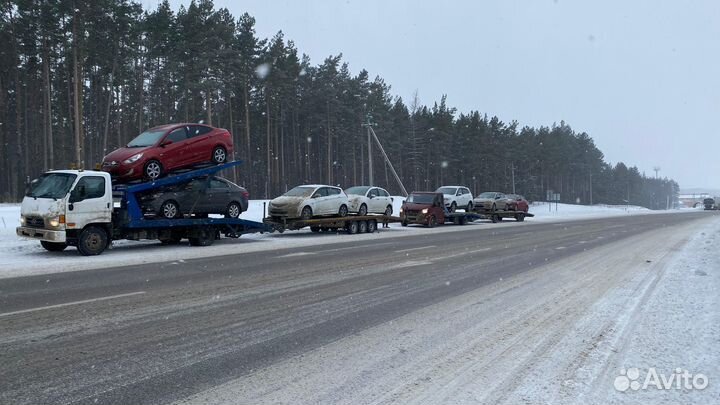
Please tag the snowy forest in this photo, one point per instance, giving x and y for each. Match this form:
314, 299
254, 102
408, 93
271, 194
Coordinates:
80, 78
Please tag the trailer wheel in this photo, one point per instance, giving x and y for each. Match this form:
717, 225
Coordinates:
170, 209
315, 229
92, 241
362, 226
432, 221
206, 237
463, 220
404, 223
520, 217
306, 213
219, 155
372, 226
352, 227
362, 211
53, 246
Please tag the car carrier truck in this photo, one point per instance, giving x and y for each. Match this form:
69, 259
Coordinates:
83, 208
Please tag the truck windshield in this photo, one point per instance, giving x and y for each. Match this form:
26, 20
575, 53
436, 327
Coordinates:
51, 185
421, 198
147, 138
300, 192
446, 190
359, 190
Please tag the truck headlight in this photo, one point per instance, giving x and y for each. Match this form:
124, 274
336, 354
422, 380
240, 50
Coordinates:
22, 220
424, 211
54, 222
133, 158
401, 210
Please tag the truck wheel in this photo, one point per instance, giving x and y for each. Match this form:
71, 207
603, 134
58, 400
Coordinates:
233, 210
170, 209
152, 170
362, 226
404, 223
343, 211
205, 238
352, 227
372, 226
53, 246
432, 221
92, 241
363, 210
306, 213
388, 211
219, 155
453, 206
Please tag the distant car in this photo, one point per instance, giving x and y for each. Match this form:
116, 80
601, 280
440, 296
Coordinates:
159, 150
365, 199
456, 197
491, 201
309, 201
516, 202
199, 197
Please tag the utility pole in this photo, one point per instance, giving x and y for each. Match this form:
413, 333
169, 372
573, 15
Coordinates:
591, 200
368, 124
370, 162
512, 169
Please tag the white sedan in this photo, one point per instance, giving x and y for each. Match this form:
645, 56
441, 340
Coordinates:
366, 199
313, 200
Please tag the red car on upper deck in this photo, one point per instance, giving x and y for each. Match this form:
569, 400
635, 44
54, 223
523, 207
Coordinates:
164, 148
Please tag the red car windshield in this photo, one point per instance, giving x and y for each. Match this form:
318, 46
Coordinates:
147, 138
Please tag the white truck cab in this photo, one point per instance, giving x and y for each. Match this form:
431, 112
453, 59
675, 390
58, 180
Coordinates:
69, 207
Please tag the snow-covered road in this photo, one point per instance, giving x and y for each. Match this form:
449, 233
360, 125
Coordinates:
560, 334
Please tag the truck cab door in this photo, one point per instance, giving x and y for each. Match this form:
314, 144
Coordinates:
90, 202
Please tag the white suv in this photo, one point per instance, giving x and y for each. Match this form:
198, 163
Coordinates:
457, 197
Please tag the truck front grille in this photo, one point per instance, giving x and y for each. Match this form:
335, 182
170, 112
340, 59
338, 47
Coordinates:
34, 222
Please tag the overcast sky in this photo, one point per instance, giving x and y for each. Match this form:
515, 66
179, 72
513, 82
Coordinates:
641, 77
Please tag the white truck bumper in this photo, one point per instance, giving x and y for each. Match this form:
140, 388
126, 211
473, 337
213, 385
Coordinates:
40, 234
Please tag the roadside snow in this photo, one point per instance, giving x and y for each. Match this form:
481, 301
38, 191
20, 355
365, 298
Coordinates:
20, 257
